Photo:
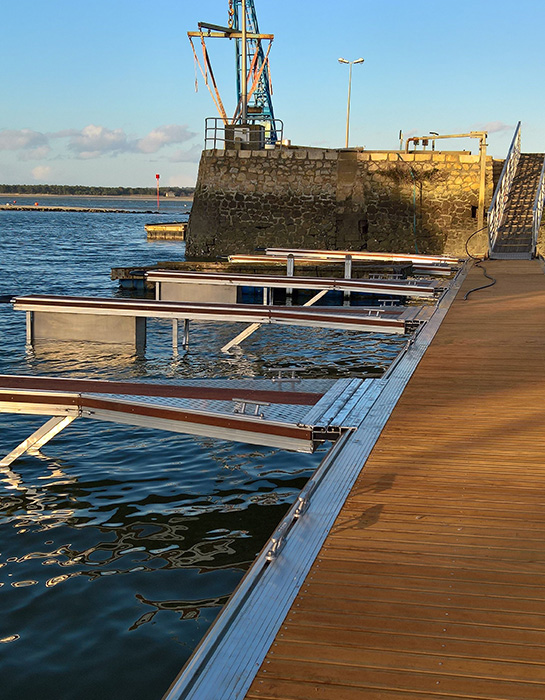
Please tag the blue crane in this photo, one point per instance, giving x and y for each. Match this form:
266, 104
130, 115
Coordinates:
259, 104
253, 82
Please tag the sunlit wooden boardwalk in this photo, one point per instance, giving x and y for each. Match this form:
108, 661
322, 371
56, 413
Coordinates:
431, 583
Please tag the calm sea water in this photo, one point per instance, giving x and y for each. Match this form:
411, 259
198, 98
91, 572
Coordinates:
119, 545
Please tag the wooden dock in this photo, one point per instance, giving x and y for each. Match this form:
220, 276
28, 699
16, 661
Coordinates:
430, 583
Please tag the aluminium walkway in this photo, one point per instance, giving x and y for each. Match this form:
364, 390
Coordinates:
430, 583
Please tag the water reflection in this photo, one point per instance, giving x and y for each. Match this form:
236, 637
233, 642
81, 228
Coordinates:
188, 609
324, 353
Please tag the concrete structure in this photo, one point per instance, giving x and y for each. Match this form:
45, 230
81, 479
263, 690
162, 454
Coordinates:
326, 198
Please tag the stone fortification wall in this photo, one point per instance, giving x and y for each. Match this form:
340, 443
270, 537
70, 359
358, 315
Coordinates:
346, 199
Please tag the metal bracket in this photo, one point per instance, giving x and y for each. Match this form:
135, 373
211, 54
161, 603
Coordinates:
282, 378
278, 540
386, 276
240, 407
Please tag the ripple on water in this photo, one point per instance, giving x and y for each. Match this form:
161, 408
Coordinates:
119, 545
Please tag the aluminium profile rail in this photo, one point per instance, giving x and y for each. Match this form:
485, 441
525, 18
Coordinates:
426, 268
152, 414
411, 288
363, 255
226, 313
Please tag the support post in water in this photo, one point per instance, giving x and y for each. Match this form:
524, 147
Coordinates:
347, 275
175, 336
290, 267
186, 334
29, 322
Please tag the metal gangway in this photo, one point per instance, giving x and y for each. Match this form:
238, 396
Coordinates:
514, 216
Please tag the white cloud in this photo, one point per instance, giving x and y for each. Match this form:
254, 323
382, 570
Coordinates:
39, 153
93, 141
17, 139
164, 136
495, 127
41, 172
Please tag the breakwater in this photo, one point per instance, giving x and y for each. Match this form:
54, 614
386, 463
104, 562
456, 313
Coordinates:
337, 199
85, 210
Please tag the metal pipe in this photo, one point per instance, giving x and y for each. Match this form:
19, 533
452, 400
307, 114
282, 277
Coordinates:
29, 327
482, 181
347, 275
244, 74
290, 268
348, 104
175, 336
350, 64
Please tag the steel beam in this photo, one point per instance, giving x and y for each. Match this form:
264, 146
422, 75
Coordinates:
254, 326
38, 438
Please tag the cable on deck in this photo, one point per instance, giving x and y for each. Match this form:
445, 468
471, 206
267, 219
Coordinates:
479, 265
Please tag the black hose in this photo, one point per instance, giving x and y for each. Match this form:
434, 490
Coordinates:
479, 264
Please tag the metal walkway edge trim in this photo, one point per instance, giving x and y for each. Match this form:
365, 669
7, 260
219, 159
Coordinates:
231, 653
339, 393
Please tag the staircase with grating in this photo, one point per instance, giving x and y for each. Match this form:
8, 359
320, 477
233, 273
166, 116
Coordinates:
514, 240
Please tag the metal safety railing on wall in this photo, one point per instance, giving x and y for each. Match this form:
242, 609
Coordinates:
497, 207
537, 210
252, 136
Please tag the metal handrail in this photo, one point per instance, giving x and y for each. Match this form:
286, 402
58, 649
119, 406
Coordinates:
497, 206
215, 133
537, 210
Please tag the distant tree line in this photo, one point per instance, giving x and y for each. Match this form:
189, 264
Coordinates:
96, 191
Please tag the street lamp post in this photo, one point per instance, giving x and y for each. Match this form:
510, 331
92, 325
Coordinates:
350, 64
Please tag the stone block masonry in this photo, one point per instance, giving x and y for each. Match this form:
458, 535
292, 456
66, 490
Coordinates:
336, 199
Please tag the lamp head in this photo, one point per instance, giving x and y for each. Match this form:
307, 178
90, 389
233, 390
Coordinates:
359, 60
343, 60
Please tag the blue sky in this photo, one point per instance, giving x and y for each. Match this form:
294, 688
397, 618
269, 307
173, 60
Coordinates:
102, 93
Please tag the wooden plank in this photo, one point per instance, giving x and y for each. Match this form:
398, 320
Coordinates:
410, 678
431, 582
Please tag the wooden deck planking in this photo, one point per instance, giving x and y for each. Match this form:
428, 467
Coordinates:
430, 584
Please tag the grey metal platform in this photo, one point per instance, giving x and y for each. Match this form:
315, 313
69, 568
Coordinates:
245, 414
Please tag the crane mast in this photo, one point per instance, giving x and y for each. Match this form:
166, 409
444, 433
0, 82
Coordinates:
259, 106
254, 107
